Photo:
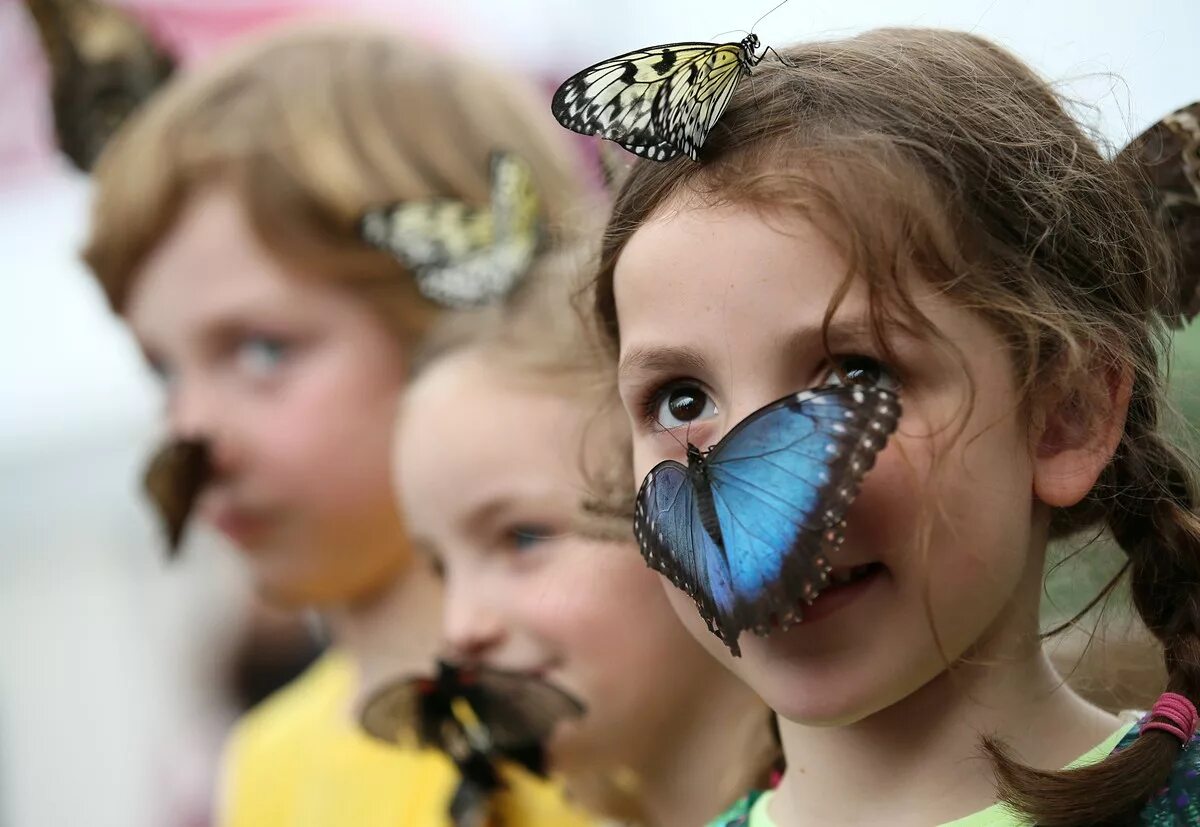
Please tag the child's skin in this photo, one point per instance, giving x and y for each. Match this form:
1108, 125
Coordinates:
719, 305
294, 381
488, 470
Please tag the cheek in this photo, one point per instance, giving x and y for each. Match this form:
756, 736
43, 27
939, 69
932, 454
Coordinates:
328, 438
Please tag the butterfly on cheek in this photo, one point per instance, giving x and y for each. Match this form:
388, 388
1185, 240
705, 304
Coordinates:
747, 529
658, 102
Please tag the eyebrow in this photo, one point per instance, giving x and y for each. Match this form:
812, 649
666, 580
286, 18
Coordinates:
685, 359
662, 359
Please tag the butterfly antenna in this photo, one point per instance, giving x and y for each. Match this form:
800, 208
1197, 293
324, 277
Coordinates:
671, 433
780, 57
716, 37
768, 13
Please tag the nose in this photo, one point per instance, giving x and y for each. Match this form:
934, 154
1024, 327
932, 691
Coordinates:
191, 410
471, 628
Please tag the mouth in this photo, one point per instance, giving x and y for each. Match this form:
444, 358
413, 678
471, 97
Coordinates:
846, 585
244, 526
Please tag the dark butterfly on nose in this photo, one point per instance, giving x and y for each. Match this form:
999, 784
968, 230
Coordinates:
749, 528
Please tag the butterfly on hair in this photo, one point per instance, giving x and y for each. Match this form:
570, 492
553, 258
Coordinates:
479, 717
1166, 159
749, 529
462, 255
657, 102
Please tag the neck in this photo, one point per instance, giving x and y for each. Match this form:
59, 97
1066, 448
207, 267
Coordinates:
918, 762
709, 760
395, 631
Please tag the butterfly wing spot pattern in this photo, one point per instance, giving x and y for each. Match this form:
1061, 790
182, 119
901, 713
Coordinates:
1168, 157
780, 483
657, 102
464, 256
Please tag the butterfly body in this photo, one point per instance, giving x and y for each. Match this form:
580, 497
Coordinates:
658, 102
478, 716
697, 470
748, 528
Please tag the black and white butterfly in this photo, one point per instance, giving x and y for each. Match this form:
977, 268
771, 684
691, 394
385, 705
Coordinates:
462, 255
657, 102
748, 528
477, 716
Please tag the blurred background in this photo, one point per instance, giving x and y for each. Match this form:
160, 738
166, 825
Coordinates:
119, 674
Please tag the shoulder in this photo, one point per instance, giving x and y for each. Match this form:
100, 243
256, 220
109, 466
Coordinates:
297, 711
1178, 802
530, 799
739, 814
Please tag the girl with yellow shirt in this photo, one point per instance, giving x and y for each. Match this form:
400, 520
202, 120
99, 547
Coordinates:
225, 234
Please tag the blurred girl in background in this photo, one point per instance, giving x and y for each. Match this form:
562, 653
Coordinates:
226, 234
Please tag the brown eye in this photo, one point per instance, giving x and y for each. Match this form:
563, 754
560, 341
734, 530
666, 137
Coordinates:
683, 404
864, 370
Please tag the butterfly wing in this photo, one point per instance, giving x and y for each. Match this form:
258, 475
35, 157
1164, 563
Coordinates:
674, 543
782, 481
393, 713
174, 478
1168, 153
695, 98
625, 99
463, 256
518, 710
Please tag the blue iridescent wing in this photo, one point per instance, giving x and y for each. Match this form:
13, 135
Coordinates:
782, 481
674, 543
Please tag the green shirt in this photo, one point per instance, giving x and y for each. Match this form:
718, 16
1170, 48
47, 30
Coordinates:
754, 809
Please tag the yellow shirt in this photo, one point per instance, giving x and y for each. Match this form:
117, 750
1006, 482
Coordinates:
298, 760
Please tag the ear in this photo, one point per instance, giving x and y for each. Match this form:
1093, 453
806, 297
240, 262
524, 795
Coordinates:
1078, 438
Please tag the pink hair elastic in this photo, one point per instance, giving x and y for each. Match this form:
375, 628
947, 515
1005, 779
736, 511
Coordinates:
1179, 714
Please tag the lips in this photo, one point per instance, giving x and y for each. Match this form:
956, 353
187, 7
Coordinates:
846, 585
844, 576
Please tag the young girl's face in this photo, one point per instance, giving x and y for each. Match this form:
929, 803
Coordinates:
293, 381
720, 312
488, 474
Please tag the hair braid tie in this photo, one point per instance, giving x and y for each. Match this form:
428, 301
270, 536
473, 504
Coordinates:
1173, 714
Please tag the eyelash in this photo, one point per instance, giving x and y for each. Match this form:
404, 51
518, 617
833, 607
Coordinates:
650, 402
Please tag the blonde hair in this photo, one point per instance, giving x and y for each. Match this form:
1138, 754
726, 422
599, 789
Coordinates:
311, 127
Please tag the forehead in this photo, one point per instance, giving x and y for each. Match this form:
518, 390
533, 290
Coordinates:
725, 269
210, 267
469, 430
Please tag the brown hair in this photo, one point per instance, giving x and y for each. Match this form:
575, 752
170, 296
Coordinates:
940, 153
312, 127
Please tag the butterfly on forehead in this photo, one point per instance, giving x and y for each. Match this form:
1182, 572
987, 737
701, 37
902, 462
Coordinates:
657, 102
1167, 159
477, 716
462, 255
750, 528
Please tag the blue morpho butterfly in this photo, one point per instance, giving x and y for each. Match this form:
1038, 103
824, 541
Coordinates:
747, 527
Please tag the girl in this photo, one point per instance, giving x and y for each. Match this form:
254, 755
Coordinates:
914, 209
226, 236
669, 737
